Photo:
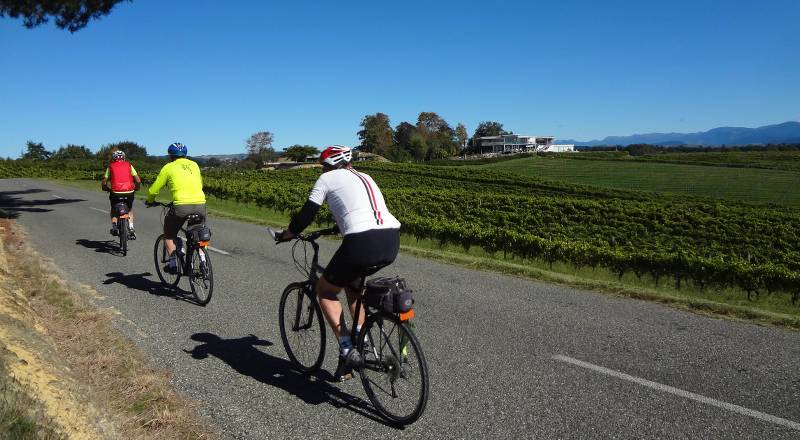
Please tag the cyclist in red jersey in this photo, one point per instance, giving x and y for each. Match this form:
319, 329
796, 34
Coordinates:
121, 181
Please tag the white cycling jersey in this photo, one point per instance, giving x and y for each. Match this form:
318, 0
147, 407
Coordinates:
355, 201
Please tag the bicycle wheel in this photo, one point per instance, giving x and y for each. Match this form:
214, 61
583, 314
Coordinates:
394, 374
161, 256
201, 276
122, 227
302, 327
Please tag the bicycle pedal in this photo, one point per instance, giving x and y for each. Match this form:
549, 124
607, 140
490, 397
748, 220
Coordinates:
343, 371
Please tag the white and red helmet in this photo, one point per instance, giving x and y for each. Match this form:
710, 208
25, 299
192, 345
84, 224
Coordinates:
336, 155
118, 155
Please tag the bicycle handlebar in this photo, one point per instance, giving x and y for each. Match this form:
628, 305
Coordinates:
166, 205
311, 236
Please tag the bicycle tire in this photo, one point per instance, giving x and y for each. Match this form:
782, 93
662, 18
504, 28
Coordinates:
201, 270
160, 259
122, 228
390, 373
299, 306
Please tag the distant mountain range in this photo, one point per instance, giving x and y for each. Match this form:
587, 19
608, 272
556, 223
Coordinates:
788, 132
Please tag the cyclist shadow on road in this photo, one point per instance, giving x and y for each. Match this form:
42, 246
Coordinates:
137, 281
104, 247
243, 356
15, 205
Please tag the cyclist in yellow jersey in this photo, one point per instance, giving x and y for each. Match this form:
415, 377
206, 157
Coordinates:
186, 185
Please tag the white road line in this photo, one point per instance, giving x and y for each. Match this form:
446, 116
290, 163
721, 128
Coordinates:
57, 196
100, 210
219, 251
679, 392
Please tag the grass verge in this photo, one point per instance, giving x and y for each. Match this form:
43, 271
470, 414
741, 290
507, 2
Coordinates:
730, 304
21, 416
89, 378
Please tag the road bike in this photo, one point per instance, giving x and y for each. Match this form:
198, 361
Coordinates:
393, 370
120, 211
193, 260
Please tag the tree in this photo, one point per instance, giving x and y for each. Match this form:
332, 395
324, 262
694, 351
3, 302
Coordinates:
259, 148
36, 151
72, 15
489, 128
133, 151
213, 162
298, 153
439, 136
461, 136
402, 135
641, 149
418, 147
73, 152
377, 134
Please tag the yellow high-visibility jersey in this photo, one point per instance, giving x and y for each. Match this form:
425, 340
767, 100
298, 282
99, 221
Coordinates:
184, 180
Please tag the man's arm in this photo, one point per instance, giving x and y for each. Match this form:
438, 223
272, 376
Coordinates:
137, 181
155, 188
104, 183
304, 217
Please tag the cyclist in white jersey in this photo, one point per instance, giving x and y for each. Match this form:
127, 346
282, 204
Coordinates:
371, 239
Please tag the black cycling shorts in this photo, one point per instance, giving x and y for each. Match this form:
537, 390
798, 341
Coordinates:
362, 254
127, 199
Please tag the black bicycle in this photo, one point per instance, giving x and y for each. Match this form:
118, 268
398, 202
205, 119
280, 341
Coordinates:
120, 211
393, 372
192, 256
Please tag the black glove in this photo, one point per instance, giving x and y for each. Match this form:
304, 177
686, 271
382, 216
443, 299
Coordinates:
150, 204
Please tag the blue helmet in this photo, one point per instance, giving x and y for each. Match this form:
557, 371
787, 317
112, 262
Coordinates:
177, 149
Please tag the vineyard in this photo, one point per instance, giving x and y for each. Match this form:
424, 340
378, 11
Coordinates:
682, 240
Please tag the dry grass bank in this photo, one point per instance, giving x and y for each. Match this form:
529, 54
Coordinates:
65, 371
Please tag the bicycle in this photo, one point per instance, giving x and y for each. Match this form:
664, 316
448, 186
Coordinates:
393, 365
192, 256
120, 211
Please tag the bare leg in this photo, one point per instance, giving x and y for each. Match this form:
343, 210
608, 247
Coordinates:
352, 298
331, 308
170, 245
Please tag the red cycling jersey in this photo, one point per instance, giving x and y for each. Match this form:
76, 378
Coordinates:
120, 177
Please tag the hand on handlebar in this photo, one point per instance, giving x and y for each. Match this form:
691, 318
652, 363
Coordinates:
150, 204
280, 236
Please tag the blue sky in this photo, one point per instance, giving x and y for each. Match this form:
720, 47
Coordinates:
210, 73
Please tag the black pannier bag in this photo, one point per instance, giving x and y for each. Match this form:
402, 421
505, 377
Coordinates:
198, 233
120, 209
390, 294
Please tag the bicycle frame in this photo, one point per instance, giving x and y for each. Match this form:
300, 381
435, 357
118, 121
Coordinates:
389, 368
190, 244
315, 271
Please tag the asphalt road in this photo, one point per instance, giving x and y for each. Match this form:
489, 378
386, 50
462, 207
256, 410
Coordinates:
508, 357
